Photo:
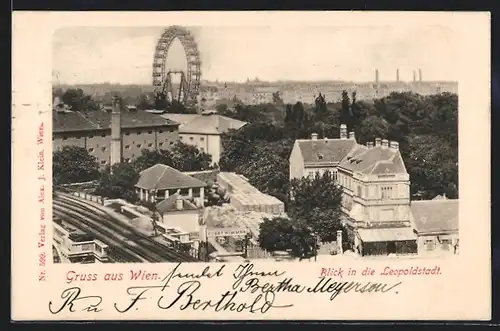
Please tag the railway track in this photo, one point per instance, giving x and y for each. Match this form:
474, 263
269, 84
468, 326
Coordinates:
118, 251
149, 247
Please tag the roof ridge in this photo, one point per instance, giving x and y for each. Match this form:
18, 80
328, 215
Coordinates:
165, 167
88, 120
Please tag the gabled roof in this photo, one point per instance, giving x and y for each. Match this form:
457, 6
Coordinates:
170, 204
204, 124
375, 160
325, 150
435, 215
101, 120
163, 177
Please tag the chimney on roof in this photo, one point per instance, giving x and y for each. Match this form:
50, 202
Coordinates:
179, 205
369, 144
352, 135
385, 143
343, 131
394, 144
376, 76
314, 136
377, 142
116, 139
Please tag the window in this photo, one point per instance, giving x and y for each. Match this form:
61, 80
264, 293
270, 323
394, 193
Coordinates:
91, 136
91, 150
429, 245
160, 131
160, 144
127, 146
127, 133
202, 149
366, 192
446, 244
138, 132
127, 160
103, 149
359, 191
103, 135
171, 143
139, 145
103, 161
77, 137
65, 138
191, 138
150, 145
181, 137
150, 131
202, 138
386, 192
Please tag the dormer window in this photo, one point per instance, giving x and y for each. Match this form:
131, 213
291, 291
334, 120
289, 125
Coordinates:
358, 161
320, 156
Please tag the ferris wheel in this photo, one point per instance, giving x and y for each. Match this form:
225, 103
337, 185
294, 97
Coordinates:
189, 86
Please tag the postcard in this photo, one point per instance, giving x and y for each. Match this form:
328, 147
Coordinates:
251, 166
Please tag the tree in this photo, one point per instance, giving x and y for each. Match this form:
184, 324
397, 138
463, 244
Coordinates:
149, 158
284, 234
77, 100
182, 157
345, 113
119, 181
74, 164
277, 100
316, 201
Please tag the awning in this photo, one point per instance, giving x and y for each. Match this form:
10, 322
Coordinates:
390, 234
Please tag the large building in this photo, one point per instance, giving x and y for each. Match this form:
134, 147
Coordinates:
378, 213
204, 130
137, 129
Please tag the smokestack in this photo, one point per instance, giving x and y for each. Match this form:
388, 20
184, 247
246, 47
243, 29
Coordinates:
116, 139
376, 76
414, 76
420, 74
343, 131
397, 75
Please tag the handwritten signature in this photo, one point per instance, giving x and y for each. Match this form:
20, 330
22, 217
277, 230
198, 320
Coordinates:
246, 280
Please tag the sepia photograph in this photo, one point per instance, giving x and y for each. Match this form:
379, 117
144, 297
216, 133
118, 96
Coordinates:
251, 165
230, 144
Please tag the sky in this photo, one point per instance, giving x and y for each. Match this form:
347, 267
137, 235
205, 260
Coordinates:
85, 55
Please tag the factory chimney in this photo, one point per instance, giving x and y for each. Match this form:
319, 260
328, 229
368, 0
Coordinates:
414, 76
376, 77
397, 75
116, 139
420, 74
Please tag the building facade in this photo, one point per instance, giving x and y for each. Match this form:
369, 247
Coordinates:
92, 130
376, 189
436, 226
76, 247
204, 131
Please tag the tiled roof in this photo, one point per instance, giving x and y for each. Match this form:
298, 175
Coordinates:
435, 215
204, 124
374, 160
325, 150
163, 177
170, 204
207, 176
101, 120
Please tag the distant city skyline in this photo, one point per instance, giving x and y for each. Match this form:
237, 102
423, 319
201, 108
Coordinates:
86, 55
